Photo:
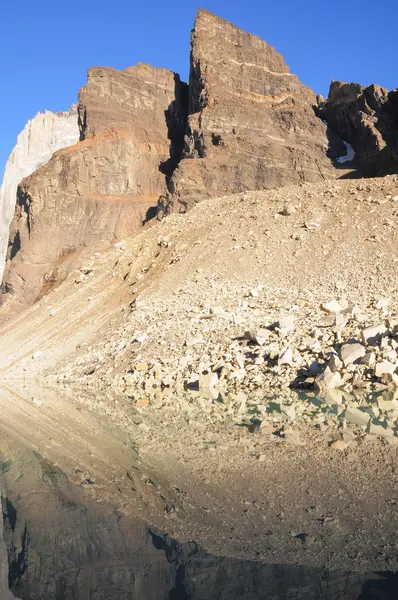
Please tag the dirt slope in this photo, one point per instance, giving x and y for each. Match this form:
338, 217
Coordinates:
341, 240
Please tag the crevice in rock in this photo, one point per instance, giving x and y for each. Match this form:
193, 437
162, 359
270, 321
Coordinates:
16, 555
176, 121
82, 122
177, 556
367, 119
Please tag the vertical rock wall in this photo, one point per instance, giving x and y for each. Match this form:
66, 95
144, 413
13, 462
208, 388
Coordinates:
251, 123
41, 137
104, 187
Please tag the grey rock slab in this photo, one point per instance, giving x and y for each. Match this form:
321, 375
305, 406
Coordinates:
356, 416
351, 352
373, 334
381, 431
328, 380
384, 367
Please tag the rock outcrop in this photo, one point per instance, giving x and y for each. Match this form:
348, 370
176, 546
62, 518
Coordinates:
102, 188
41, 137
251, 123
367, 118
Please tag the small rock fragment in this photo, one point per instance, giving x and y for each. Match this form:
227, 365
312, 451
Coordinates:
372, 335
327, 380
381, 431
142, 402
286, 357
352, 352
289, 410
140, 336
390, 379
335, 364
339, 445
382, 303
332, 307
286, 324
259, 336
384, 367
288, 210
217, 310
387, 404
208, 381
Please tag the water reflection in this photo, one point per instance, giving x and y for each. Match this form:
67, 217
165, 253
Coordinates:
81, 518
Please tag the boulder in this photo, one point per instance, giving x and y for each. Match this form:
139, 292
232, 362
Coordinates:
328, 380
356, 416
351, 353
372, 335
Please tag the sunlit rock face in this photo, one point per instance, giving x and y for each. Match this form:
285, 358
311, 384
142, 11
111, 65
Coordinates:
251, 123
101, 189
41, 137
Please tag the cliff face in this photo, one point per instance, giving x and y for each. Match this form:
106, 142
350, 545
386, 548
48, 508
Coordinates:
367, 118
251, 123
40, 138
102, 188
146, 139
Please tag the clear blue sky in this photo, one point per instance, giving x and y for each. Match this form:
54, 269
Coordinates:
46, 46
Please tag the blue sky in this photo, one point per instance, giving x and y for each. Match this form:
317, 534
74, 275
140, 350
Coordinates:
46, 46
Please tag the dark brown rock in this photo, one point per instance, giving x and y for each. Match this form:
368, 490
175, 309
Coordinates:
103, 188
251, 123
367, 118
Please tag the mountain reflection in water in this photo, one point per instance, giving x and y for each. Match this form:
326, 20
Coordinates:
61, 542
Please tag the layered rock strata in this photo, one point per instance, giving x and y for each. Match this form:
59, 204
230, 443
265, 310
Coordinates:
41, 137
367, 118
102, 188
251, 123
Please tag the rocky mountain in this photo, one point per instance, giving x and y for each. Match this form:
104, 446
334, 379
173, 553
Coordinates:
146, 139
251, 123
41, 137
367, 118
102, 188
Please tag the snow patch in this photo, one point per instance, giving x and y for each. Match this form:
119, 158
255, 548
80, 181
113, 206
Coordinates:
349, 156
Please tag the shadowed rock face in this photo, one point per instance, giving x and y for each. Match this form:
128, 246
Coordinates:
102, 188
251, 123
367, 118
5, 593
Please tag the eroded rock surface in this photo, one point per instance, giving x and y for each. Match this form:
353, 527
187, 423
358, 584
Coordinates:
367, 118
102, 188
251, 123
40, 138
